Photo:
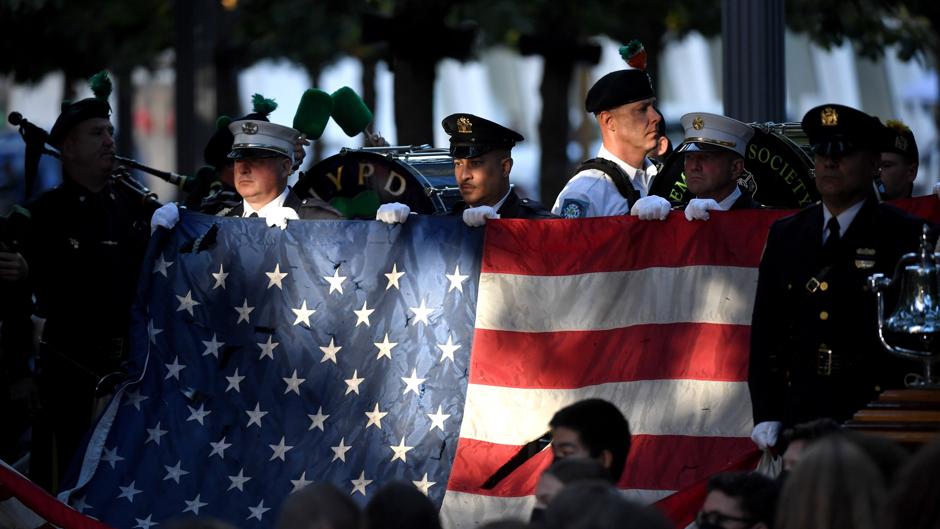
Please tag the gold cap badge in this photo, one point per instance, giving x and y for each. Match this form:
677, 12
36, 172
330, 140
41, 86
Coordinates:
250, 128
698, 123
829, 117
463, 125
901, 143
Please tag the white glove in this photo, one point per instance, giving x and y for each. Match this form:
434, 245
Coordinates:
166, 216
477, 216
651, 208
279, 217
698, 208
765, 434
393, 213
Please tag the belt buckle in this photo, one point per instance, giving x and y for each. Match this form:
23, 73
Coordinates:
812, 285
824, 361
115, 349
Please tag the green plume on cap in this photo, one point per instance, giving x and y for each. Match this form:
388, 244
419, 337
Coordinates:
223, 122
101, 85
350, 111
313, 112
262, 106
897, 125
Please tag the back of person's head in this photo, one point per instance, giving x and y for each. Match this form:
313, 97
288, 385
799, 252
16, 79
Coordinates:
835, 486
798, 438
812, 430
400, 505
202, 522
319, 506
510, 523
600, 426
599, 505
887, 455
571, 470
914, 500
756, 494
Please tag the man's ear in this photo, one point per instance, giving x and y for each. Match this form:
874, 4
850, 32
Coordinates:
912, 172
606, 119
606, 458
737, 167
506, 166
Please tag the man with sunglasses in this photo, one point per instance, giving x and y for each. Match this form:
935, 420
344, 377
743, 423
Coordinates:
482, 155
738, 500
814, 342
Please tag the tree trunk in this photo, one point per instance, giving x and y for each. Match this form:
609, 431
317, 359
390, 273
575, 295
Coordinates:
368, 84
554, 128
125, 112
414, 101
313, 72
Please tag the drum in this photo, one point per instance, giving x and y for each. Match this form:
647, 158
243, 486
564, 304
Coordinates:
357, 181
779, 163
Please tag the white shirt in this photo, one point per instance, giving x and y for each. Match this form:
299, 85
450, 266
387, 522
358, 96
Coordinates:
728, 201
277, 203
845, 219
591, 193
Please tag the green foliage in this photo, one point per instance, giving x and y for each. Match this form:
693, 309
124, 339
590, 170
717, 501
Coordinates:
870, 25
81, 37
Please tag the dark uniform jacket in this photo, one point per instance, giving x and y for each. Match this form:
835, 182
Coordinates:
514, 208
814, 345
84, 252
307, 209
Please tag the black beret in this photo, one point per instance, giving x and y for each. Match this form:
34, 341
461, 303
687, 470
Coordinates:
220, 144
75, 113
900, 140
837, 129
472, 136
618, 88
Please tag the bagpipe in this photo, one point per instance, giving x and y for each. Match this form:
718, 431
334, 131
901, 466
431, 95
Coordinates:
36, 139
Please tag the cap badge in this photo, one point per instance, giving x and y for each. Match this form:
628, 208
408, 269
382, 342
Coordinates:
901, 143
250, 128
698, 123
829, 117
463, 125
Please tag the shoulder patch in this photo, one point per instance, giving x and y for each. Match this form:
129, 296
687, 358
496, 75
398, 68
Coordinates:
574, 209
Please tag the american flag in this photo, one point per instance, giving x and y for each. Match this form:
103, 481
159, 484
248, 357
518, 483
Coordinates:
267, 359
653, 316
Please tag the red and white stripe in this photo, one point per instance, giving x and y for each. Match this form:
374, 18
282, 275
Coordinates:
653, 316
24, 505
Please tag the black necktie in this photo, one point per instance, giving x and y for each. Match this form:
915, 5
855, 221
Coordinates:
832, 241
255, 215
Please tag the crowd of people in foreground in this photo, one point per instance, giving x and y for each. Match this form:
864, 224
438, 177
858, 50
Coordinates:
831, 478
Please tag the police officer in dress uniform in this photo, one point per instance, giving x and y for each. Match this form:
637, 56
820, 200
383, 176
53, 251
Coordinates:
85, 246
481, 150
618, 180
814, 344
713, 150
264, 159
